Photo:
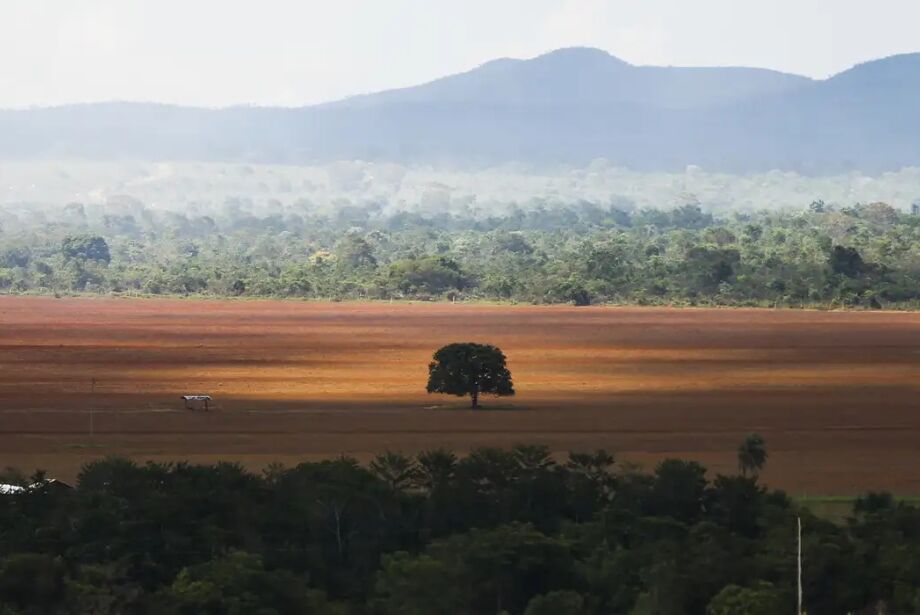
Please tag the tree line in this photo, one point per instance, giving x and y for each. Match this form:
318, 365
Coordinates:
517, 532
867, 255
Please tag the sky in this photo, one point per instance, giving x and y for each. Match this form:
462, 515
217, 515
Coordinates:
292, 52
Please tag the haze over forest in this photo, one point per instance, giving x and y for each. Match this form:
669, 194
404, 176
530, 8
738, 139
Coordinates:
565, 108
208, 188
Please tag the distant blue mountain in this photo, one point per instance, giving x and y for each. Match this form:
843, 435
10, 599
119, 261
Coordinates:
581, 76
568, 106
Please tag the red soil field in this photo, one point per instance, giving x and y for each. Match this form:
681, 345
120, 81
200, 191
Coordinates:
835, 394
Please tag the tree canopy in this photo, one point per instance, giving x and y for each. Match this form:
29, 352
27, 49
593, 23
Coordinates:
519, 531
752, 455
469, 369
86, 247
584, 253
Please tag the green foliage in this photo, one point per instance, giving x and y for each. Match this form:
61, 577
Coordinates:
32, 581
865, 256
846, 262
495, 530
395, 469
707, 268
874, 503
417, 585
354, 252
679, 490
469, 369
761, 599
564, 602
238, 584
481, 571
87, 248
431, 275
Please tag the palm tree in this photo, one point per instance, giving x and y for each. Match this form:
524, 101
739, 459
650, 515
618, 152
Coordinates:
436, 468
752, 455
395, 469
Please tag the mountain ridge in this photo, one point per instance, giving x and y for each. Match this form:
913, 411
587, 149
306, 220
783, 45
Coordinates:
567, 59
566, 106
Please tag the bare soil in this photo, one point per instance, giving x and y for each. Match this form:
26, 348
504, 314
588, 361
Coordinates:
835, 394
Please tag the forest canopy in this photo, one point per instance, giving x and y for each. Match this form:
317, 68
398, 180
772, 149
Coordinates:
583, 252
516, 531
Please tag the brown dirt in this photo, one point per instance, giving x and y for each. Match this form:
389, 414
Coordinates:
835, 394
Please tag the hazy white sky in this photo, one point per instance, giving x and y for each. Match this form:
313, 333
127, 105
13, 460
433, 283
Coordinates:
291, 52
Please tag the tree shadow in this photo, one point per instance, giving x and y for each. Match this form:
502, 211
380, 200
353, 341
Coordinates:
483, 407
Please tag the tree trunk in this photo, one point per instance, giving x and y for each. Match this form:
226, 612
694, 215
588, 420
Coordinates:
475, 397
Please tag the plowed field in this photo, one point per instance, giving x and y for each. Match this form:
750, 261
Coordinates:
835, 394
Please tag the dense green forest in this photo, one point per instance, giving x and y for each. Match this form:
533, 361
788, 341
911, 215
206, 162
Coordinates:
496, 531
867, 255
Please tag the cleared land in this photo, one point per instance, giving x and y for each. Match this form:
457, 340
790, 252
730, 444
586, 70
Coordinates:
836, 394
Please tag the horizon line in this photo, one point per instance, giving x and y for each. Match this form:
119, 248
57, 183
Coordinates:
305, 105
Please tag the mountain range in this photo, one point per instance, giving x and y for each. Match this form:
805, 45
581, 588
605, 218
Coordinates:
565, 107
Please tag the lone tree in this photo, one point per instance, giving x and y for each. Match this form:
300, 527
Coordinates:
752, 455
469, 369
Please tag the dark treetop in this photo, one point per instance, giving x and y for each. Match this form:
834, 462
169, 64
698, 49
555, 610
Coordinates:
469, 369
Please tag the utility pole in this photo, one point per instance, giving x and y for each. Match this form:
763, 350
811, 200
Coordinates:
798, 521
92, 410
